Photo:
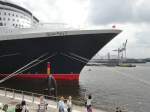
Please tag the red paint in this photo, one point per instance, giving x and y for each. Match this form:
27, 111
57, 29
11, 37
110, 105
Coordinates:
44, 76
66, 76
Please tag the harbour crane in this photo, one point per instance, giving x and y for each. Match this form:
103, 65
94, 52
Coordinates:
121, 50
118, 51
124, 48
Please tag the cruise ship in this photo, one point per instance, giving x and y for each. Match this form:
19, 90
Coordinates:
32, 52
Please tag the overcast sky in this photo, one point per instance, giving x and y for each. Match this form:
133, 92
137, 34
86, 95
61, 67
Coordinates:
131, 16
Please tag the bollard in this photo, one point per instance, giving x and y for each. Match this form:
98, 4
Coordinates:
32, 98
22, 96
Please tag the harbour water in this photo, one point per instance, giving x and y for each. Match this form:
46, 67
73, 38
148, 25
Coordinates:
117, 86
111, 87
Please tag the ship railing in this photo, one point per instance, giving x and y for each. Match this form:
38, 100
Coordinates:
41, 27
34, 98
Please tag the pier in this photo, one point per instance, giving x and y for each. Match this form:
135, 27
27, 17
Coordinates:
12, 97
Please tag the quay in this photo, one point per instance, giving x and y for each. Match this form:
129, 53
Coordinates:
11, 97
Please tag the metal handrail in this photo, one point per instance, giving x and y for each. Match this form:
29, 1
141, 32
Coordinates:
33, 94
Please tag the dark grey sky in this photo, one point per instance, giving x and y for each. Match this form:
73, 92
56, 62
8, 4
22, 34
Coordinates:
119, 11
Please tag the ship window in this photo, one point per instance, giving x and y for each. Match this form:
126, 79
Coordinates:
1, 24
4, 24
12, 14
16, 15
4, 13
9, 14
4, 19
0, 18
8, 19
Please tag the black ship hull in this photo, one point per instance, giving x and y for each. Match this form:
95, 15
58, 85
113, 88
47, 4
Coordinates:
27, 50
70, 54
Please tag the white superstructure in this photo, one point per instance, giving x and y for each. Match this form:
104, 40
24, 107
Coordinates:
14, 16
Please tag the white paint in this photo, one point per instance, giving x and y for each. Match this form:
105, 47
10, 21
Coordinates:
45, 32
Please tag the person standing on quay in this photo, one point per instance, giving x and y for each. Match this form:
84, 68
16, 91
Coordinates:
69, 104
42, 107
24, 106
89, 103
61, 105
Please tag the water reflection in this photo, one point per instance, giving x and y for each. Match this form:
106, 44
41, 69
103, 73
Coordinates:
64, 88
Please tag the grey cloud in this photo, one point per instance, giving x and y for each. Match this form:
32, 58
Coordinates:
143, 39
142, 12
118, 11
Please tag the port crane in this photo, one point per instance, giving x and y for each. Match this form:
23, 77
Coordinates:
124, 48
121, 50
